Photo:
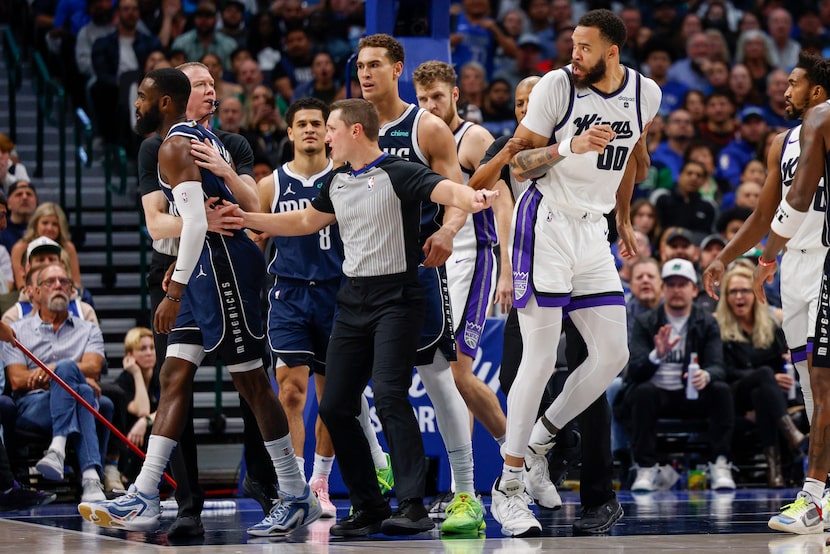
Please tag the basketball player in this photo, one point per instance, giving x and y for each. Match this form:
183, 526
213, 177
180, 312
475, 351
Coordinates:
418, 136
376, 201
471, 268
215, 311
796, 222
592, 114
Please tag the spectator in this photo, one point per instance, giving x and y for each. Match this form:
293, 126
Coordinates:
266, 127
265, 41
539, 19
237, 57
204, 37
664, 22
49, 221
718, 129
785, 49
114, 55
289, 15
324, 84
662, 343
22, 202
294, 68
718, 49
224, 89
684, 205
754, 350
164, 19
748, 194
624, 264
561, 14
526, 63
497, 110
11, 170
75, 348
657, 58
249, 75
513, 23
775, 108
338, 26
646, 289
752, 132
232, 22
472, 83
101, 14
755, 51
729, 221
720, 13
6, 273
811, 29
742, 88
564, 47
644, 218
700, 151
636, 36
690, 24
717, 73
710, 247
474, 36
678, 242
690, 70
749, 22
679, 132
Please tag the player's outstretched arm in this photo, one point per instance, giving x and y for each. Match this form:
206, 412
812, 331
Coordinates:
755, 227
450, 193
288, 224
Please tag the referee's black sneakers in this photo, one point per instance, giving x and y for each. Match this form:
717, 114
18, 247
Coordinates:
410, 518
361, 522
598, 520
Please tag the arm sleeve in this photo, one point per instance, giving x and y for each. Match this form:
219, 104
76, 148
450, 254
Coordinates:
413, 181
189, 198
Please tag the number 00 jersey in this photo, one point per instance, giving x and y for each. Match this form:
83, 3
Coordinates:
557, 109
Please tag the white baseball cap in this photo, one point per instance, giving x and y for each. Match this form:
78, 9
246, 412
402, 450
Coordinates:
680, 268
43, 244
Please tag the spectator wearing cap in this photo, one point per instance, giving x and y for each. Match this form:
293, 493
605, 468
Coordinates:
204, 37
657, 56
113, 56
752, 132
678, 132
684, 205
21, 201
678, 242
49, 221
661, 344
710, 247
526, 63
41, 252
11, 170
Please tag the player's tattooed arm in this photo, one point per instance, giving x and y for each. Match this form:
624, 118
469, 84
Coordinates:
530, 164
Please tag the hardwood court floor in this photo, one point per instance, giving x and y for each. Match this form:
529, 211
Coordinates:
661, 522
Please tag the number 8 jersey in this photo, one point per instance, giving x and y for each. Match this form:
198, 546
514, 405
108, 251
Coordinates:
557, 109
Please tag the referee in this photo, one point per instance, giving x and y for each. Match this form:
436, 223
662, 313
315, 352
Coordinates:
376, 200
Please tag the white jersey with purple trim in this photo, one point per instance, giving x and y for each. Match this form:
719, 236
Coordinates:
559, 110
808, 235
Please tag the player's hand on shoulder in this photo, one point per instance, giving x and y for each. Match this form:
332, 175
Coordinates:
594, 139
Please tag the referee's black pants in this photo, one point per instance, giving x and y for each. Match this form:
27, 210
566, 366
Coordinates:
375, 335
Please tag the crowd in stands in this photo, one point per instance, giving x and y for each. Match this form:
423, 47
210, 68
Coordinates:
722, 65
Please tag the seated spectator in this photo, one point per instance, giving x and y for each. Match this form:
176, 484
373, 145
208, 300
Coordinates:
141, 392
101, 14
294, 68
6, 272
785, 49
678, 242
11, 170
718, 127
232, 22
775, 108
710, 247
748, 195
265, 125
564, 46
324, 84
624, 264
646, 289
47, 221
700, 151
75, 348
743, 88
754, 351
474, 36
472, 84
43, 251
264, 41
684, 206
689, 70
249, 76
526, 63
644, 218
513, 24
658, 56
694, 102
12, 495
497, 110
224, 89
204, 37
717, 73
755, 51
752, 132
662, 343
21, 201
729, 221
166, 20
679, 132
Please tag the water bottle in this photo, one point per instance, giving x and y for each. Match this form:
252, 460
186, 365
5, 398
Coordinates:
790, 370
691, 391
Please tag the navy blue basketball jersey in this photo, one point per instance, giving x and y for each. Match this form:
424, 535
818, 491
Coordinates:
315, 257
400, 138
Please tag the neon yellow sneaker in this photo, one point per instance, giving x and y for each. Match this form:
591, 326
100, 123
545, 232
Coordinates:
464, 515
386, 480
802, 517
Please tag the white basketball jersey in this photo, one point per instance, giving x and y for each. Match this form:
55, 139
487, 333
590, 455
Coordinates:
559, 110
809, 234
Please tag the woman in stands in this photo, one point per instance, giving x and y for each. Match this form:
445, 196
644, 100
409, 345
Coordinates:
49, 220
754, 353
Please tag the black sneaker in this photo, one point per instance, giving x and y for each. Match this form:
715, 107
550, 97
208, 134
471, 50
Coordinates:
409, 519
18, 498
186, 526
565, 455
598, 520
264, 494
361, 523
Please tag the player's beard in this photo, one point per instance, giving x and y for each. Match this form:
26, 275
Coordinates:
796, 112
590, 76
149, 121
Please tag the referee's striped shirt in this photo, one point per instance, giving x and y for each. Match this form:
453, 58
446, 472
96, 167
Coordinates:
378, 209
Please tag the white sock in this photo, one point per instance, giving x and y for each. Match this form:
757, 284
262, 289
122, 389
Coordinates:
378, 455
510, 472
159, 449
322, 466
90, 473
540, 435
58, 444
288, 474
814, 488
301, 466
461, 462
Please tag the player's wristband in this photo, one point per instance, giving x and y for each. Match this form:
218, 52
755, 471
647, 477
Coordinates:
172, 298
787, 220
763, 263
564, 148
